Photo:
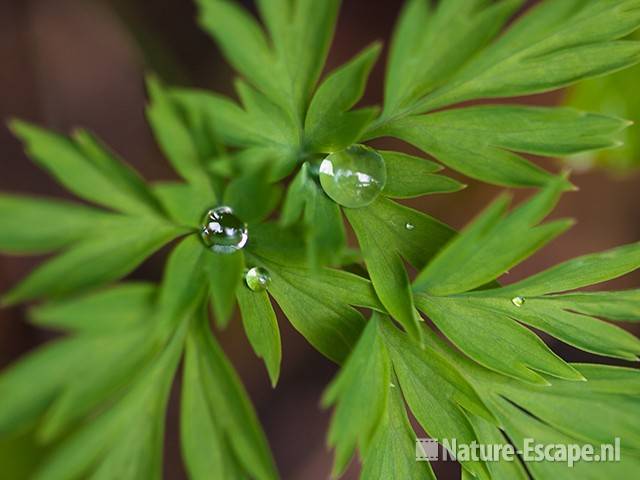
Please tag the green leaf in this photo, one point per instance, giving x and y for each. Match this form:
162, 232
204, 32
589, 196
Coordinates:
435, 392
184, 282
551, 46
409, 177
273, 123
98, 259
317, 302
174, 136
494, 340
186, 204
387, 273
140, 197
325, 232
392, 450
252, 196
261, 326
492, 244
22, 219
621, 306
224, 274
108, 445
360, 394
549, 314
329, 126
218, 115
115, 309
87, 169
384, 238
481, 141
311, 29
581, 271
432, 43
221, 411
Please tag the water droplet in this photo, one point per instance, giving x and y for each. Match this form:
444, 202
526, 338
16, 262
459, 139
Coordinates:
518, 301
222, 231
392, 385
353, 177
409, 226
257, 279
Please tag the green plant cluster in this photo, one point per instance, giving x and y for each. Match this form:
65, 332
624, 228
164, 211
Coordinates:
94, 400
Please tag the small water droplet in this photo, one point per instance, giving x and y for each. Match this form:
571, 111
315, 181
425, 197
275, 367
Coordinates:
392, 385
518, 301
409, 226
222, 231
257, 279
353, 177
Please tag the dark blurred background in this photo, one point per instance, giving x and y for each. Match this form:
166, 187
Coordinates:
66, 63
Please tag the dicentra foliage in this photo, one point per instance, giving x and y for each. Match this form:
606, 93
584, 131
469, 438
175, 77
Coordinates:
95, 399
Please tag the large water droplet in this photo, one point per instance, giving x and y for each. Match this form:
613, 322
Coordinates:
353, 177
222, 231
518, 301
257, 279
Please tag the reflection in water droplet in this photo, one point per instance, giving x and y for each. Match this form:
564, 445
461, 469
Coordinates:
353, 177
257, 279
518, 301
222, 231
409, 226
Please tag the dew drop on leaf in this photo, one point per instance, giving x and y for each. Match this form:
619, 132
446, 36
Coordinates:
222, 231
518, 301
257, 279
409, 226
353, 177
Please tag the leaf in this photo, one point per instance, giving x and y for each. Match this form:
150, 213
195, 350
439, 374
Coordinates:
480, 141
312, 26
409, 177
392, 450
96, 260
108, 445
274, 124
115, 309
387, 273
186, 204
86, 169
497, 342
548, 314
183, 284
553, 45
220, 405
435, 392
325, 233
329, 126
359, 392
261, 326
252, 196
242, 41
432, 43
382, 234
123, 177
318, 303
581, 272
492, 244
224, 274
174, 136
66, 223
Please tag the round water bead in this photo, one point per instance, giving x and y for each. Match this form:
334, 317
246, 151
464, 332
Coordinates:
257, 279
353, 177
518, 301
222, 231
